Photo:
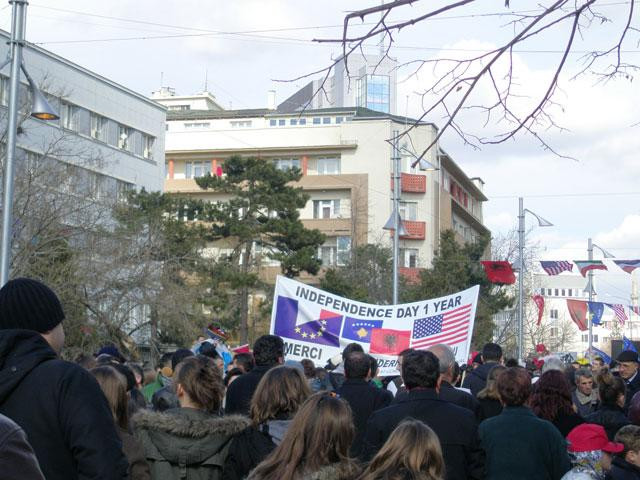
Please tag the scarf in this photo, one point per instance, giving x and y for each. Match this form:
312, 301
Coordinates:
589, 463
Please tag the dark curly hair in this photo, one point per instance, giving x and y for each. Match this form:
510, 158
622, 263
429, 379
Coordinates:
551, 396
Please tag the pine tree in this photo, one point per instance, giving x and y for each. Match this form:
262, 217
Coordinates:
457, 267
262, 211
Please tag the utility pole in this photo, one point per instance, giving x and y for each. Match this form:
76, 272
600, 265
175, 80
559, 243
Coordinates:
590, 282
520, 278
395, 159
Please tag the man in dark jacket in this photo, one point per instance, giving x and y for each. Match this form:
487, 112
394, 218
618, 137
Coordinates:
166, 398
58, 404
628, 368
455, 426
476, 380
363, 397
519, 444
448, 392
16, 455
268, 351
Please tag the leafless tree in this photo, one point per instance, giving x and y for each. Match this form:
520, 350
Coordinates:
489, 83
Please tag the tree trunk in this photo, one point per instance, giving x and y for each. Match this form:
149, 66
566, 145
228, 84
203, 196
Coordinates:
244, 297
153, 339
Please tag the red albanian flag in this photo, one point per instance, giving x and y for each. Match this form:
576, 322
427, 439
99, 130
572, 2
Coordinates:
539, 301
578, 312
385, 341
499, 272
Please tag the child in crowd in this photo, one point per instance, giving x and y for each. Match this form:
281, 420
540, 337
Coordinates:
626, 465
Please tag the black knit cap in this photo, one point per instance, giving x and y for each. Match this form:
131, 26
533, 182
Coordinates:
627, 356
29, 304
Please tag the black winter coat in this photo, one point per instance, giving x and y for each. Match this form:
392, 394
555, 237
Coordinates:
364, 399
61, 408
16, 455
623, 470
488, 407
610, 417
449, 393
632, 388
455, 426
241, 390
476, 380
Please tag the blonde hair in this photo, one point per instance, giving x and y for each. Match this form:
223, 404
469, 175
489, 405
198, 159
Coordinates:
629, 436
411, 451
281, 391
491, 388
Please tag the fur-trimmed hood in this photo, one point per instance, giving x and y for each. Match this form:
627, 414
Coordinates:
185, 434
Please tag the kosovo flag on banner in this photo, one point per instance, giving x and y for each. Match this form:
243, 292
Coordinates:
359, 329
596, 309
322, 331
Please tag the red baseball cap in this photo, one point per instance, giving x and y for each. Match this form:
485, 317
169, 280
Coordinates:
588, 437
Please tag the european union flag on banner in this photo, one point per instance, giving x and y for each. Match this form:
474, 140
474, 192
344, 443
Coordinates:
628, 345
601, 354
596, 309
322, 331
359, 329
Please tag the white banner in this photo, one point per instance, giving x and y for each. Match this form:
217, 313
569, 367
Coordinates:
317, 325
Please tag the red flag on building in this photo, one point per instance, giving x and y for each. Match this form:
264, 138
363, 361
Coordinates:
578, 312
389, 342
539, 301
499, 272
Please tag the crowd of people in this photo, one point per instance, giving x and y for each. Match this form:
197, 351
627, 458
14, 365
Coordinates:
200, 414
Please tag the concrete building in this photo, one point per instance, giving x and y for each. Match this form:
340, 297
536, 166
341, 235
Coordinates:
370, 81
107, 133
199, 101
346, 165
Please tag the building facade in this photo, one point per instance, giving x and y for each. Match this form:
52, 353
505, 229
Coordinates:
345, 160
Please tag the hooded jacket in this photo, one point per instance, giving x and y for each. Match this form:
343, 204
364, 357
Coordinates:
186, 443
476, 380
251, 446
61, 408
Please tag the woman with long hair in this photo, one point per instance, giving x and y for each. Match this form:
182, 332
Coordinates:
610, 414
412, 452
551, 400
276, 400
488, 398
316, 445
190, 441
114, 386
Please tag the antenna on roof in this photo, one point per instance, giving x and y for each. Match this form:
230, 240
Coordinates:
161, 79
206, 79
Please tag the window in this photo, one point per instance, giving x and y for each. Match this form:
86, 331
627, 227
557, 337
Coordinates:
147, 144
585, 338
542, 291
553, 314
197, 169
563, 292
4, 90
179, 107
241, 123
372, 91
328, 166
326, 208
70, 114
302, 121
326, 120
553, 332
339, 119
569, 292
316, 120
335, 251
124, 142
99, 127
556, 292
409, 257
409, 210
549, 292
344, 250
190, 125
282, 122
272, 122
286, 163
293, 121
595, 338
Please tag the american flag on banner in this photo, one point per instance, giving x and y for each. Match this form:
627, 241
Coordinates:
618, 309
556, 268
449, 328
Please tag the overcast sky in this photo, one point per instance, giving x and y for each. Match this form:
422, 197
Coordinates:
243, 46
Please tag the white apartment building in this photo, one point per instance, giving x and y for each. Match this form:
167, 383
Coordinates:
110, 135
345, 159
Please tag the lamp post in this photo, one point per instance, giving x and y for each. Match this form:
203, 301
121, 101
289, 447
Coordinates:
395, 222
40, 109
591, 292
521, 225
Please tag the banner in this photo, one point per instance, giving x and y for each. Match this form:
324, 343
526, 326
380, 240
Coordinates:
317, 325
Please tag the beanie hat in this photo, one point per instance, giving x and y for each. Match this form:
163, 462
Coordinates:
29, 304
628, 356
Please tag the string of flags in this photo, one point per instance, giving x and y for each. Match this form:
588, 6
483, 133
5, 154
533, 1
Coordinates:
578, 310
557, 267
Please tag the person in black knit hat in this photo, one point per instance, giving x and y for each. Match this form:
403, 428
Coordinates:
58, 404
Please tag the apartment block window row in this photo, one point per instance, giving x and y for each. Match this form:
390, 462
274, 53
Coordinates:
585, 338
562, 292
302, 121
196, 125
286, 163
106, 130
325, 209
241, 123
335, 251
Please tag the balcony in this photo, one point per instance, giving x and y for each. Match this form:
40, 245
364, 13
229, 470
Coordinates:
411, 275
415, 230
412, 183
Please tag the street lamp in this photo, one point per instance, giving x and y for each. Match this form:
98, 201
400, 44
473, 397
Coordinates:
40, 109
395, 222
590, 288
521, 225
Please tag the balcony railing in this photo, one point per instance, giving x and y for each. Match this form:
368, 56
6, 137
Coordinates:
412, 183
411, 275
415, 230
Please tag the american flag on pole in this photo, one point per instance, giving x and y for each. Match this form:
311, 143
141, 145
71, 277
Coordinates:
619, 311
556, 268
634, 309
449, 328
